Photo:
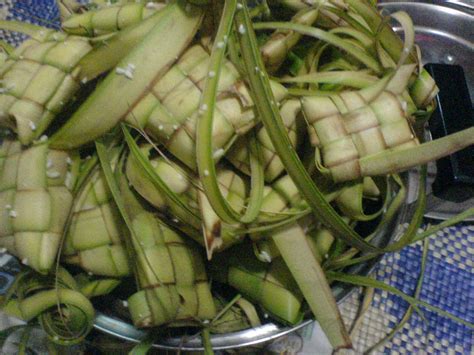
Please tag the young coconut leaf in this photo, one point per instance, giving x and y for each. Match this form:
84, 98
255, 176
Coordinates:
64, 313
204, 146
120, 91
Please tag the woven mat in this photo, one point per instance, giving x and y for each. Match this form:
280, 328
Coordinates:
448, 284
448, 281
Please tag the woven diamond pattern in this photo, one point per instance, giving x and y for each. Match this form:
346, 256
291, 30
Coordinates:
448, 284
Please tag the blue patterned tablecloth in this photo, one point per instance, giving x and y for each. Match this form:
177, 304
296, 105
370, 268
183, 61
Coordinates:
448, 284
448, 281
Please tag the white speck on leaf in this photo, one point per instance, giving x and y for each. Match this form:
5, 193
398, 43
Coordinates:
127, 72
53, 174
265, 256
68, 180
218, 153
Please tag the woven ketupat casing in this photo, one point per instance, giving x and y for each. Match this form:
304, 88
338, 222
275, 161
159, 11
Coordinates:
109, 19
346, 127
178, 181
35, 200
220, 236
38, 79
238, 153
277, 198
171, 275
170, 110
94, 238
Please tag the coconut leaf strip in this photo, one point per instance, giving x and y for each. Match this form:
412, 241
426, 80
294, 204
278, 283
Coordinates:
409, 311
204, 150
22, 27
295, 250
114, 189
155, 179
399, 160
355, 79
328, 37
407, 237
369, 282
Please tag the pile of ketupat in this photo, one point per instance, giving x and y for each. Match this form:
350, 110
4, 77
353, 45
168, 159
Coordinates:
146, 137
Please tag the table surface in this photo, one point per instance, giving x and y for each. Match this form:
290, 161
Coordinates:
448, 280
